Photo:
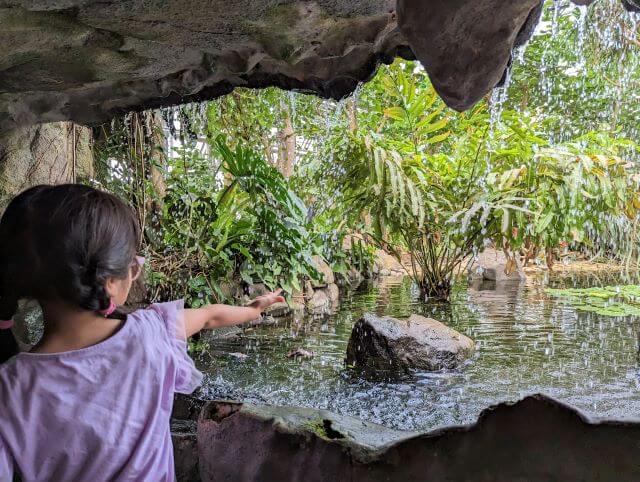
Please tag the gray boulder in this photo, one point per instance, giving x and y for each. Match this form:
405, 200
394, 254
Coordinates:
333, 293
319, 302
326, 272
387, 345
492, 265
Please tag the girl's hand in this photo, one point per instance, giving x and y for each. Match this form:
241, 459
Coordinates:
263, 302
215, 316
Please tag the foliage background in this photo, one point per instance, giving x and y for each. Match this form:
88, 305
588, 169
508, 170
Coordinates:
248, 188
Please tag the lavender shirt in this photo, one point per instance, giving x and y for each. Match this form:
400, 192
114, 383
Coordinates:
99, 413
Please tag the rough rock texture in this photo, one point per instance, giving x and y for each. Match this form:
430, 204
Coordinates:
535, 439
324, 269
387, 345
87, 61
333, 293
222, 333
491, 265
352, 278
466, 45
185, 450
319, 303
387, 265
184, 435
49, 153
278, 310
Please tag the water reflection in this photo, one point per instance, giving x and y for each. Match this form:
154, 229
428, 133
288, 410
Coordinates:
527, 342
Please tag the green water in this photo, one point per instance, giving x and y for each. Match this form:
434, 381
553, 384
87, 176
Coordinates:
526, 340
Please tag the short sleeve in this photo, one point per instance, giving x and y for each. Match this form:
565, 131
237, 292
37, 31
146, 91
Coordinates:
188, 377
6, 463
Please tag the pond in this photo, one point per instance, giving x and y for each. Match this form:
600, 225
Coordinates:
526, 342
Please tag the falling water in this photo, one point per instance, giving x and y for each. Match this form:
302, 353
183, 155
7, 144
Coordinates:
582, 27
554, 24
525, 343
496, 106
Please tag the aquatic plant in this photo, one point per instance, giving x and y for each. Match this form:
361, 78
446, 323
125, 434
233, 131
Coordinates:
621, 300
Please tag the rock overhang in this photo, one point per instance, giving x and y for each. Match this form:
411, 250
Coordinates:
87, 60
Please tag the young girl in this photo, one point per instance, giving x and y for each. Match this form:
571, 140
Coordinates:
91, 401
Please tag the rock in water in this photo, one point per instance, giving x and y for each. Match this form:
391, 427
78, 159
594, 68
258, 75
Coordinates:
325, 270
387, 345
239, 356
300, 353
493, 265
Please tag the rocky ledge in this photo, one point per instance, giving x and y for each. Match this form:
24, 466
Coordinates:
535, 439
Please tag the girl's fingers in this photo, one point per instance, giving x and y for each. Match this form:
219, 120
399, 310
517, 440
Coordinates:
280, 299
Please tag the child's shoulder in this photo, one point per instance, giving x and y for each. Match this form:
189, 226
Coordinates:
11, 375
167, 316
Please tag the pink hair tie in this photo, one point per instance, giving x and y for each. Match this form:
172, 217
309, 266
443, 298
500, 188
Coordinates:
112, 307
6, 324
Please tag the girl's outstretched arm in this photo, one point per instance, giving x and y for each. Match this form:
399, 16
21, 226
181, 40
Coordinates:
215, 316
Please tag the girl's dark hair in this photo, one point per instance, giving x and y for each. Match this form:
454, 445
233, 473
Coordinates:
62, 243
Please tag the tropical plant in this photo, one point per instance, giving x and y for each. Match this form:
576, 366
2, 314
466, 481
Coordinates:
226, 216
279, 251
573, 189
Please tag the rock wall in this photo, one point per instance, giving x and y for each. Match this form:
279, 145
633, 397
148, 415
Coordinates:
43, 154
535, 439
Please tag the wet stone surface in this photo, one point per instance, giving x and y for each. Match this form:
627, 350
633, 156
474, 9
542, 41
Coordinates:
386, 346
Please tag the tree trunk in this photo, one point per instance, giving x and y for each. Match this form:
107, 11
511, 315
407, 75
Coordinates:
352, 114
439, 292
287, 145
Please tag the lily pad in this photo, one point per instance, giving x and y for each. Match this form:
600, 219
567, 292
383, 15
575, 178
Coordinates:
623, 300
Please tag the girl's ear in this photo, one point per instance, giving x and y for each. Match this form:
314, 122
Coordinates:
118, 289
111, 287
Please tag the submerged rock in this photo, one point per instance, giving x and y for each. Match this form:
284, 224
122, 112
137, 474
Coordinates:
301, 353
238, 356
387, 345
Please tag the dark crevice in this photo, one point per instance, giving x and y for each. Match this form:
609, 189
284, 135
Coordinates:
330, 432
